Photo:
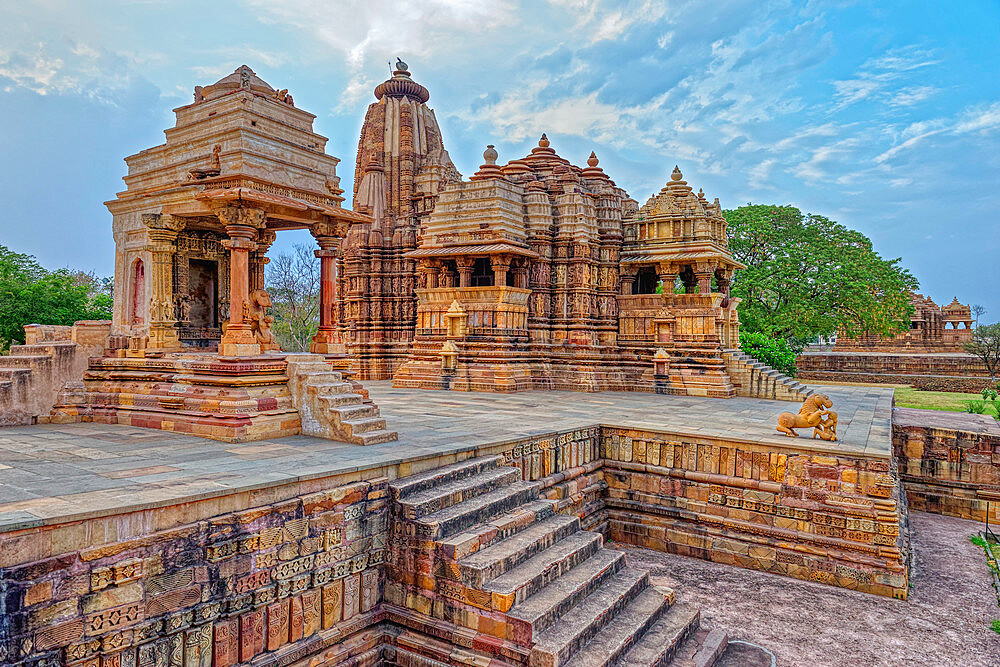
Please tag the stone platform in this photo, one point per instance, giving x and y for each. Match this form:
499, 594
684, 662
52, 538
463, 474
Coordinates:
58, 472
470, 540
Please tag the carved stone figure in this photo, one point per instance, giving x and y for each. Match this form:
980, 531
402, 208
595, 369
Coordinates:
255, 313
813, 414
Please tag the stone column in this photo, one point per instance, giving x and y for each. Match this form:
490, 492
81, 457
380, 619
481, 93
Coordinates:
465, 265
162, 232
433, 273
668, 275
704, 274
242, 225
259, 259
327, 339
501, 264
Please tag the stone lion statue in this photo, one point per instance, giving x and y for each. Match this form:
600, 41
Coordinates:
814, 414
255, 314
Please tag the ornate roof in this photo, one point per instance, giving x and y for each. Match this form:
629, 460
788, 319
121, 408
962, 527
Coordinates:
401, 85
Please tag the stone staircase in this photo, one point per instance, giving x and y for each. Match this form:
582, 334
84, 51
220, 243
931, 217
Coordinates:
488, 564
31, 377
332, 407
758, 380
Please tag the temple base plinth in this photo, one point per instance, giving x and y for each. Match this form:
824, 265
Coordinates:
327, 342
239, 341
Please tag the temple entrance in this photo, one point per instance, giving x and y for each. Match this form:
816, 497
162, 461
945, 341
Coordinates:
203, 293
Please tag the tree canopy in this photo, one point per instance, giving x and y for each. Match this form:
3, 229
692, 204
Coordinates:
30, 294
807, 274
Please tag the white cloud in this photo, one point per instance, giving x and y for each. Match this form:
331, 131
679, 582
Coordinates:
878, 78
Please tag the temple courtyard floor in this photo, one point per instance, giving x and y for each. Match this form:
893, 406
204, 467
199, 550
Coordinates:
58, 472
945, 621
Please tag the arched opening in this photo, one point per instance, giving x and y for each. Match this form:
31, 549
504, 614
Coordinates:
138, 288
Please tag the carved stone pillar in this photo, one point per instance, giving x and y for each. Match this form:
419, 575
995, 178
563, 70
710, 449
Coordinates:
433, 273
242, 225
627, 280
259, 259
501, 264
667, 274
704, 274
162, 231
327, 339
465, 265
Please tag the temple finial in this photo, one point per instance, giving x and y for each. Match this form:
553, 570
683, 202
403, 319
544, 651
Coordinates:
676, 174
592, 160
544, 141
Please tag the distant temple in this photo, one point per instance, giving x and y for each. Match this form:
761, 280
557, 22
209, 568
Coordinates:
932, 329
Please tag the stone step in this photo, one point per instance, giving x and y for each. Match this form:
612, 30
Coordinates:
456, 491
549, 604
14, 374
480, 509
621, 632
43, 350
483, 535
376, 437
535, 573
491, 562
662, 642
557, 645
336, 400
363, 425
24, 360
329, 388
352, 413
405, 486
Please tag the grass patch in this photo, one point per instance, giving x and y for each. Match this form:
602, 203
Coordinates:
908, 397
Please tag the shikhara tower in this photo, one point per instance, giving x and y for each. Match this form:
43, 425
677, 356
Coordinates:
401, 166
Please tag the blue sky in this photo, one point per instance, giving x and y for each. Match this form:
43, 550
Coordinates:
885, 118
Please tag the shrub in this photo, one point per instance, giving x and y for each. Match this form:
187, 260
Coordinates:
975, 406
776, 353
995, 625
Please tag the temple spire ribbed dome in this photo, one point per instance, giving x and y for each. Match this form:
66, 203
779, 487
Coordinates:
401, 85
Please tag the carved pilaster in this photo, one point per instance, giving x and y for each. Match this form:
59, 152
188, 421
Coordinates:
162, 230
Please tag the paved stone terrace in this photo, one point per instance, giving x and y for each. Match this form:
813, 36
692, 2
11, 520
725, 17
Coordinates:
53, 473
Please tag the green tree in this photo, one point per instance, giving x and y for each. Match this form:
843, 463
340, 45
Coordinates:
293, 282
807, 274
29, 294
985, 344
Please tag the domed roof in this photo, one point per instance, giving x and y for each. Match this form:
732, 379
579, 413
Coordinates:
401, 85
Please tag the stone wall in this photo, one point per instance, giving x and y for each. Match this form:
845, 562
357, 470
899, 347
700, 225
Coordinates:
271, 583
931, 372
948, 461
805, 512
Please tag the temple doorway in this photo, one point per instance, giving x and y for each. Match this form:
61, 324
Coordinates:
203, 293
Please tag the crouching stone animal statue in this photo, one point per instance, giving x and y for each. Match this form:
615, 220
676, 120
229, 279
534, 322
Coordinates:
255, 314
813, 414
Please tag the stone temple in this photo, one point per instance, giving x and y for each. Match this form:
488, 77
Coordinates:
177, 491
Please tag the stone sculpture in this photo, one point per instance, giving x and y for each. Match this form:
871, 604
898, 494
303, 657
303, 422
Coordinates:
255, 313
814, 414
